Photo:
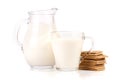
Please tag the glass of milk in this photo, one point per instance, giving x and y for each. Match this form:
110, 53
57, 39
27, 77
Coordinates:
67, 46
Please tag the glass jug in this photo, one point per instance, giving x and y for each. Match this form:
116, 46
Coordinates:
36, 45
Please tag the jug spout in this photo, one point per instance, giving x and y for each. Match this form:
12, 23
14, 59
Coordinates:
54, 10
51, 11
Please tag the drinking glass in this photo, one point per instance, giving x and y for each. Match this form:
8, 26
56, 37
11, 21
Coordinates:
67, 46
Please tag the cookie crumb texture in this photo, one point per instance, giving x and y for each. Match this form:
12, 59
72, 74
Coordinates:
93, 61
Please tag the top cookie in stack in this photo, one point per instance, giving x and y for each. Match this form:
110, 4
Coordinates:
94, 60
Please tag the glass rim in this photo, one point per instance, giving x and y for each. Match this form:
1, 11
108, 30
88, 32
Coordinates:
67, 32
71, 32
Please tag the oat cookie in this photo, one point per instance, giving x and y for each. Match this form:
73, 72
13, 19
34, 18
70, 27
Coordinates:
94, 60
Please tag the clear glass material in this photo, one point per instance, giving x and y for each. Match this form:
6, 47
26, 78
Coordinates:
36, 45
67, 46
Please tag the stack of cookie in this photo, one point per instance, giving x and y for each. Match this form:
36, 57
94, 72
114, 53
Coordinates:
94, 61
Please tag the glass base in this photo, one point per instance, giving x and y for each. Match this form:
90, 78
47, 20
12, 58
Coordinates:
41, 67
67, 69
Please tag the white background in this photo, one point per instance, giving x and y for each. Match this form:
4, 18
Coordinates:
97, 18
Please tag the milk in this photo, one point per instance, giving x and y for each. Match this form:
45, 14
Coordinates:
37, 46
67, 52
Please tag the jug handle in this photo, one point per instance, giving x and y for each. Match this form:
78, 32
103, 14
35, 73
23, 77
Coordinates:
26, 21
17, 38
